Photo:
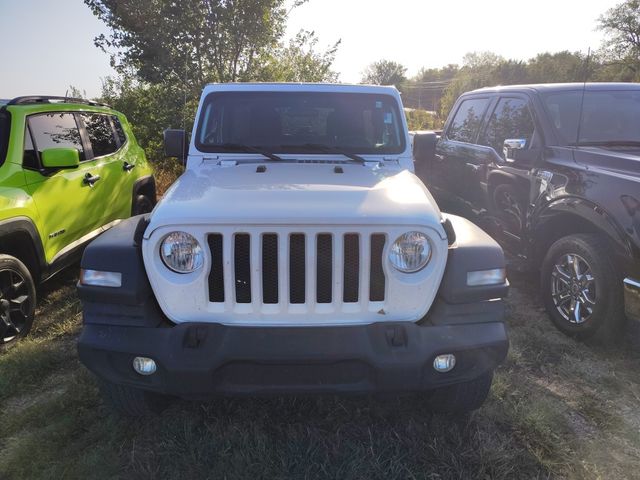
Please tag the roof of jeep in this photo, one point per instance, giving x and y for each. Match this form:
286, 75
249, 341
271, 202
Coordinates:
304, 87
560, 87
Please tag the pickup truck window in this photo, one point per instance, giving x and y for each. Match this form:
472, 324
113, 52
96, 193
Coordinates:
510, 119
294, 122
466, 123
608, 116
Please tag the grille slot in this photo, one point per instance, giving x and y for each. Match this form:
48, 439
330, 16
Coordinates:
270, 268
216, 275
351, 283
376, 277
324, 268
297, 258
242, 261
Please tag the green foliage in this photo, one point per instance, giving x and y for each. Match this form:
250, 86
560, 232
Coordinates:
385, 72
622, 46
299, 61
422, 120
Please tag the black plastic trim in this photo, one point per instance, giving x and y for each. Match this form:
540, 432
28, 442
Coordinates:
473, 250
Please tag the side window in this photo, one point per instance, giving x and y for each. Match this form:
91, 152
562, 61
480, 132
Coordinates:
101, 135
55, 130
466, 123
510, 119
30, 157
119, 131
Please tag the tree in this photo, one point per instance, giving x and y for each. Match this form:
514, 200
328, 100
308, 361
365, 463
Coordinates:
622, 26
299, 61
385, 72
191, 41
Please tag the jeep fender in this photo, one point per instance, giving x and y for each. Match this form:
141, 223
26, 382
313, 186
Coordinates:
24, 226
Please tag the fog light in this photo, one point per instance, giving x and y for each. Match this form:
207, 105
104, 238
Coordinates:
444, 363
495, 276
97, 278
144, 365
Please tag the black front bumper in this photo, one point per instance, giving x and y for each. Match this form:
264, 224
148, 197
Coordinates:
201, 360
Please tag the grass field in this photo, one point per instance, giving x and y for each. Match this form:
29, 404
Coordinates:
558, 409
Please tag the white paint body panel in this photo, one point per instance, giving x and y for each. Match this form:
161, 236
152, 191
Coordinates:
294, 197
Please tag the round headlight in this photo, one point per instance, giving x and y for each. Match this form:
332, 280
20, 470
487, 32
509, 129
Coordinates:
410, 252
181, 252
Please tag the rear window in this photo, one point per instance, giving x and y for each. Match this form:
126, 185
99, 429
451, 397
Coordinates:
101, 134
55, 130
122, 138
607, 115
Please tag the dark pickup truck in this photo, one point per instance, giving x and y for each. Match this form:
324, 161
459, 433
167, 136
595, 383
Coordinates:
553, 172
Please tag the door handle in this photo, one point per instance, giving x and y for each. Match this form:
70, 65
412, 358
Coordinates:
90, 179
127, 167
472, 166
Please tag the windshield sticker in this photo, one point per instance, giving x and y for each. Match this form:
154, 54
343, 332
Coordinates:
388, 118
378, 104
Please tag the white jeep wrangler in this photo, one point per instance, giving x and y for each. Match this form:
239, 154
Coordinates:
298, 253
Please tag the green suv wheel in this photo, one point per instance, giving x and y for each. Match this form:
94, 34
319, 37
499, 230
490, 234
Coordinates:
17, 299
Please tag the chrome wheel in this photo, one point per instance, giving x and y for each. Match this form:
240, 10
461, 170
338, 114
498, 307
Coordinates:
15, 304
573, 288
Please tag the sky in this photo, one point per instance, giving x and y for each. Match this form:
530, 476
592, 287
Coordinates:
47, 45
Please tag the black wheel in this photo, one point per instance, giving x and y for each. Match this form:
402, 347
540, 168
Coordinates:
582, 288
461, 397
133, 402
17, 299
142, 204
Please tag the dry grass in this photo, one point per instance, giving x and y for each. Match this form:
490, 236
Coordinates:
558, 409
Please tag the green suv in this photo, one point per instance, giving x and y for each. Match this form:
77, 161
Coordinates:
69, 170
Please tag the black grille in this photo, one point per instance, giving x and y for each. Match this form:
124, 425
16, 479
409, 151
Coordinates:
270, 268
297, 258
376, 277
324, 268
242, 261
216, 275
351, 268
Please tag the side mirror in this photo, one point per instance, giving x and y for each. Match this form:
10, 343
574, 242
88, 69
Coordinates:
511, 145
60, 158
175, 144
424, 146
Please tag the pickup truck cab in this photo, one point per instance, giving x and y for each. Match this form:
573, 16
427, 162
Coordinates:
553, 172
297, 253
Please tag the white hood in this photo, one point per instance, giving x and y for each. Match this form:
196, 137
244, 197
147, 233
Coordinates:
295, 193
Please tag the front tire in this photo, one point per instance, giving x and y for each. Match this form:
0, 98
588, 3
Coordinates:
582, 288
17, 300
461, 397
133, 402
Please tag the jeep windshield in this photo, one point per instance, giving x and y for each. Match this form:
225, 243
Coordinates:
610, 118
300, 122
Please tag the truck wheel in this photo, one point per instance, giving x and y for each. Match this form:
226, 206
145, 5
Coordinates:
142, 204
17, 299
582, 288
133, 402
461, 397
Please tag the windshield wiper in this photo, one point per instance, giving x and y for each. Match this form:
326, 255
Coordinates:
609, 143
318, 147
249, 149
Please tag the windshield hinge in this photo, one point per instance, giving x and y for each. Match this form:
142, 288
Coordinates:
373, 164
227, 163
